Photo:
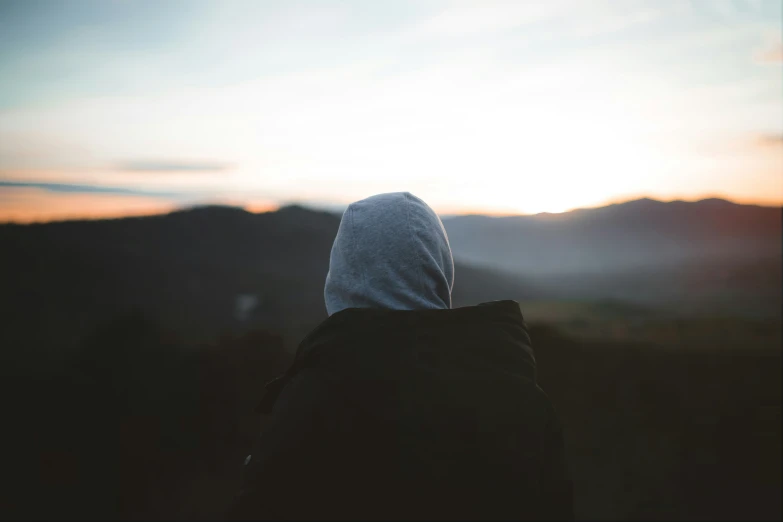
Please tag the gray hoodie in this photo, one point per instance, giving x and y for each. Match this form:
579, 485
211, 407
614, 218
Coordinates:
391, 251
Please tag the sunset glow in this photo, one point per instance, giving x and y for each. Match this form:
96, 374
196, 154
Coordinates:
33, 206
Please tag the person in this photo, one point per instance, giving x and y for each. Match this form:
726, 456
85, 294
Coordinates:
399, 406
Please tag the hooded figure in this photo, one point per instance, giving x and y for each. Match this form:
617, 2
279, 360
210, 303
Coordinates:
398, 406
391, 252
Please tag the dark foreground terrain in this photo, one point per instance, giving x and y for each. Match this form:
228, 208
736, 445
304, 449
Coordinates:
133, 352
140, 426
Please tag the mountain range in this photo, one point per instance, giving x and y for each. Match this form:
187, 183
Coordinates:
208, 270
698, 256
638, 235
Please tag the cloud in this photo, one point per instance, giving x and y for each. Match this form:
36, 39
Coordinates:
90, 189
575, 18
771, 51
28, 202
172, 166
745, 145
770, 55
770, 140
203, 195
486, 17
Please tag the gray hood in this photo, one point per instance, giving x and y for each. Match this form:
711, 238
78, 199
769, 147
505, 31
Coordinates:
391, 251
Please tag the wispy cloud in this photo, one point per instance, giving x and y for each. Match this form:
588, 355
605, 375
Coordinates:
173, 194
770, 52
770, 55
91, 189
172, 166
472, 18
770, 141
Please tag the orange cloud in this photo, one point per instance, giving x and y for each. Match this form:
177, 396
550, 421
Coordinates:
161, 166
770, 140
770, 55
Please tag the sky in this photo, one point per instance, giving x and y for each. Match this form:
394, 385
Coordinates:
114, 107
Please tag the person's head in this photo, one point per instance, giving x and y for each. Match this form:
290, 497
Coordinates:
391, 251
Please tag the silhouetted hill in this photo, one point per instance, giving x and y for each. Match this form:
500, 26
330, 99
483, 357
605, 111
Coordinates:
192, 269
211, 269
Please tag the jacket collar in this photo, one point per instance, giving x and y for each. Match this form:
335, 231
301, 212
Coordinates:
493, 334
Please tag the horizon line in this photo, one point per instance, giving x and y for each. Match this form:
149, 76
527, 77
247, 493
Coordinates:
334, 208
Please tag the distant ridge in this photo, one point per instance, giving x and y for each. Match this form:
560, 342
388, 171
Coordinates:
640, 203
632, 203
339, 208
711, 252
188, 268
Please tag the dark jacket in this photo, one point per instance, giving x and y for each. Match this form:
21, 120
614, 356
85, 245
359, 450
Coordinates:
410, 414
